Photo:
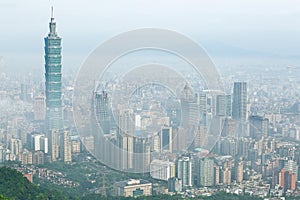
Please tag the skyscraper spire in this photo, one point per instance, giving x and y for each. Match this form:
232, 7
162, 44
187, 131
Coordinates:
53, 78
52, 24
52, 17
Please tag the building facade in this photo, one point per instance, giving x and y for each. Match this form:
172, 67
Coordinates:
223, 105
39, 108
132, 188
66, 151
239, 106
205, 172
239, 103
53, 75
184, 171
162, 170
259, 127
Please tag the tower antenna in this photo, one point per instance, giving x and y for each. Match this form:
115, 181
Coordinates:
52, 12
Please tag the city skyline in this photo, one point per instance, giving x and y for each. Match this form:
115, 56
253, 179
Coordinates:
164, 121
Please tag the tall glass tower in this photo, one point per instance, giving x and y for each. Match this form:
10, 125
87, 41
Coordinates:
239, 103
53, 78
239, 108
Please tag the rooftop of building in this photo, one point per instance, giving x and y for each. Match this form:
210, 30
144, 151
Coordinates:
131, 182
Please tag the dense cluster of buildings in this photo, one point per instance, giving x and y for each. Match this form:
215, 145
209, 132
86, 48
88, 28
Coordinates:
32, 172
213, 140
244, 141
40, 137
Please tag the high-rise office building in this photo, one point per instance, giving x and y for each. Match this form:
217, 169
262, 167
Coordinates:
287, 180
126, 146
239, 107
142, 154
291, 165
239, 103
202, 100
228, 146
201, 137
76, 146
162, 170
228, 127
205, 172
66, 153
166, 139
44, 144
38, 157
15, 146
259, 127
189, 108
180, 141
53, 84
184, 171
25, 92
125, 119
223, 105
217, 175
37, 142
102, 111
26, 157
190, 115
155, 143
53, 145
39, 108
174, 185
239, 168
226, 176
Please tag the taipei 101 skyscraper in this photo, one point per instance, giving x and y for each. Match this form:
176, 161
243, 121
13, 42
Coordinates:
53, 83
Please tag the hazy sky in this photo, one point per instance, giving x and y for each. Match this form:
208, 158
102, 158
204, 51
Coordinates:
270, 27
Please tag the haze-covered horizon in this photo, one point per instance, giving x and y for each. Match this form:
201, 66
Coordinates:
232, 32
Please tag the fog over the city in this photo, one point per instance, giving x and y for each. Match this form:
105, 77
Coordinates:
232, 32
170, 99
